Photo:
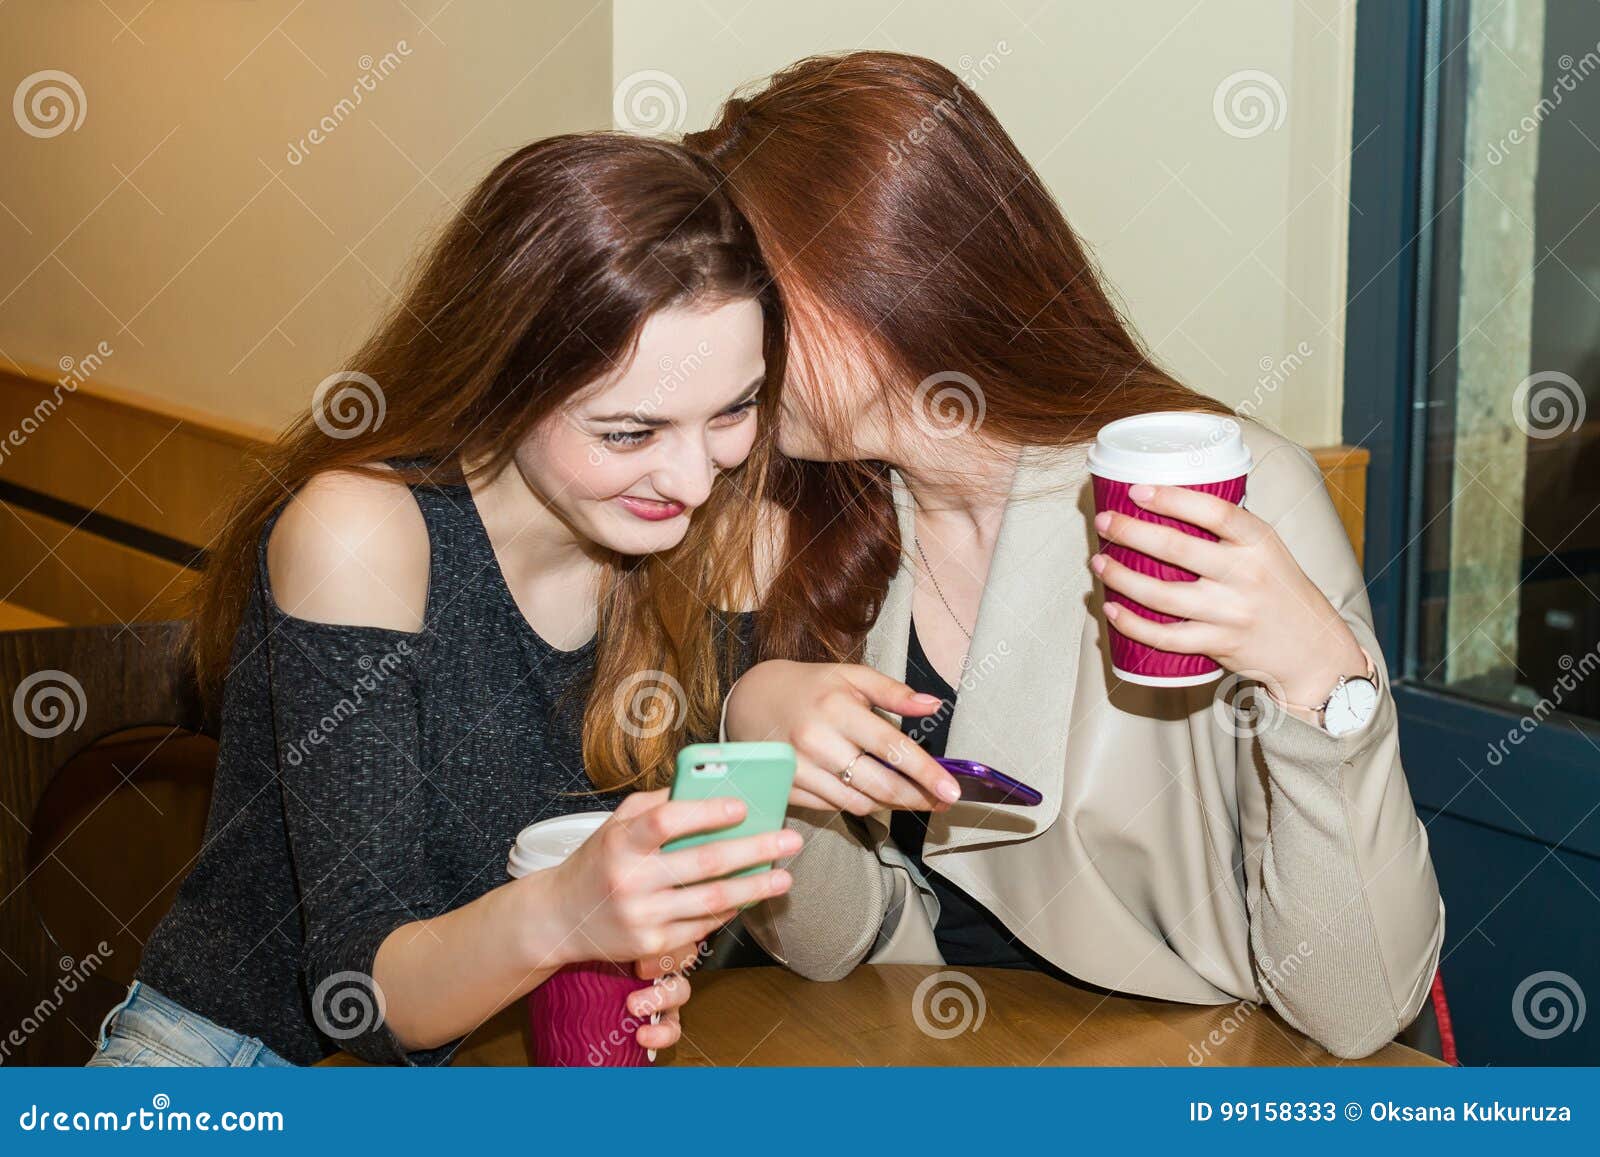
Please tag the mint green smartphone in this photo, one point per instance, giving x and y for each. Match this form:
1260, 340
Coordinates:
761, 774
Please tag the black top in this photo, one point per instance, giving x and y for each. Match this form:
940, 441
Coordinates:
368, 777
967, 932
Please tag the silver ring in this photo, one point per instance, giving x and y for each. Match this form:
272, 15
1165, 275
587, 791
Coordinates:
844, 772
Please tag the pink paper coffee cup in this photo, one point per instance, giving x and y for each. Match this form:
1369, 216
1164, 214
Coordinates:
1201, 452
579, 1017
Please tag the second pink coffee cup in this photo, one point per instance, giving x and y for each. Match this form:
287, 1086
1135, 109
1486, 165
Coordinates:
579, 1017
1203, 452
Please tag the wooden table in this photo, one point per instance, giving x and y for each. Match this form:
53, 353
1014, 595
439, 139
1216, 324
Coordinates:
914, 1015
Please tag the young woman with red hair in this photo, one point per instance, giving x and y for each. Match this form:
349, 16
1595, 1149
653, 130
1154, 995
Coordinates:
952, 354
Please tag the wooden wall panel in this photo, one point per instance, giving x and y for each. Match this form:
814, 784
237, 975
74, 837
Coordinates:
77, 577
1344, 470
156, 466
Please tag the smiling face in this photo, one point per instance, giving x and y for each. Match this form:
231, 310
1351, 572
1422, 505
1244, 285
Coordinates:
626, 462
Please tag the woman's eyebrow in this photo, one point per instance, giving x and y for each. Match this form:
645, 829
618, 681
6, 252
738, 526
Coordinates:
750, 391
640, 419
645, 420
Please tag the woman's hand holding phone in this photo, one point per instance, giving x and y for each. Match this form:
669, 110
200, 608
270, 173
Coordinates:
825, 711
620, 897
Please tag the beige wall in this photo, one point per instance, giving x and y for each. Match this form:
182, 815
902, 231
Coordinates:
1228, 250
172, 224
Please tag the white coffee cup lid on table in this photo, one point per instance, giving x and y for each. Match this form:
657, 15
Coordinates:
548, 842
1172, 448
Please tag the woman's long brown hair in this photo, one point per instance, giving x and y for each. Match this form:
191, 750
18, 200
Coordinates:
894, 210
539, 288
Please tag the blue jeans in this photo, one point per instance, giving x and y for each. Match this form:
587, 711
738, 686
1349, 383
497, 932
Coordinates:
147, 1029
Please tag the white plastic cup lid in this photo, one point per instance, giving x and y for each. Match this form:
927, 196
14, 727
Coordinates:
548, 842
1173, 448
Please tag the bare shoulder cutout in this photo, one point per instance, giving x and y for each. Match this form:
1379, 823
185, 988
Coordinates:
352, 550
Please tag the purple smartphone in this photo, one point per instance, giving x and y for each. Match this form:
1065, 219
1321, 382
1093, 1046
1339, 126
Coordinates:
981, 783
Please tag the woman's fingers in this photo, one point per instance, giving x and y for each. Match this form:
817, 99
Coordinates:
669, 993
917, 769
832, 792
800, 797
662, 1035
672, 819
698, 902
1185, 638
826, 749
639, 801
1184, 600
1167, 543
889, 694
719, 857
1227, 520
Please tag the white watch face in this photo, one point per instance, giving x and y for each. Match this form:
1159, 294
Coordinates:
1351, 706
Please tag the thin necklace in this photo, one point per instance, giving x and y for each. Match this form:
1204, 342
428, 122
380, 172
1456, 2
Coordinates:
938, 591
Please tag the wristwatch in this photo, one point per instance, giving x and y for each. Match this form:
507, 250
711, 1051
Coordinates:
1351, 703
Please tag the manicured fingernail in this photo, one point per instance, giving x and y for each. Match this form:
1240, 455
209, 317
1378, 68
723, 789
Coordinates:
1102, 521
948, 790
924, 697
1097, 563
730, 808
1142, 492
1112, 610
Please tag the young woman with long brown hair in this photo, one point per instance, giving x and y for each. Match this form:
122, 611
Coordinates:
428, 616
952, 354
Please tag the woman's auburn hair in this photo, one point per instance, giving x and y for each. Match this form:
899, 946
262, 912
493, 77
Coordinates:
895, 210
537, 289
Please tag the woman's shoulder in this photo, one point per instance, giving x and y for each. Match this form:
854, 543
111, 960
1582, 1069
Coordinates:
351, 548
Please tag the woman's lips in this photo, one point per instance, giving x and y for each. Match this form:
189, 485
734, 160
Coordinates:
650, 509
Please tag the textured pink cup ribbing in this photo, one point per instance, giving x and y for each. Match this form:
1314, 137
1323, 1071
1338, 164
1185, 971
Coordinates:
1127, 656
580, 1018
